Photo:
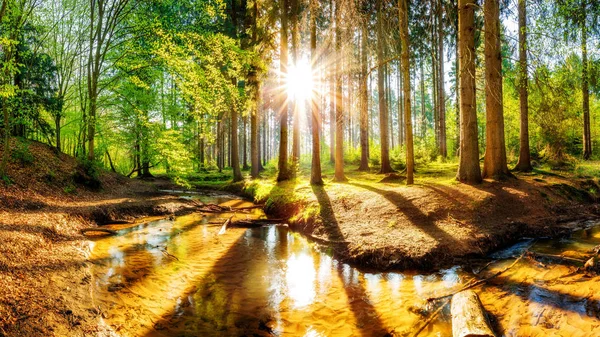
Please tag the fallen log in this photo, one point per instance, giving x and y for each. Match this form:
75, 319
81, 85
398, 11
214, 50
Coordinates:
468, 316
101, 230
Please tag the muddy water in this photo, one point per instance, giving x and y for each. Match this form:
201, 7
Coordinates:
179, 278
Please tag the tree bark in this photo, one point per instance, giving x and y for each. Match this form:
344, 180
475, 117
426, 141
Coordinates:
381, 94
587, 134
235, 148
315, 173
410, 160
422, 101
494, 164
295, 105
468, 316
364, 100
254, 146
468, 168
441, 89
339, 109
284, 172
524, 163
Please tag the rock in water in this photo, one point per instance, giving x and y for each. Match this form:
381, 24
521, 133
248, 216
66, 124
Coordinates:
468, 316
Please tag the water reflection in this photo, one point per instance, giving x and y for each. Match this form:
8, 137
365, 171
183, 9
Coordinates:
180, 278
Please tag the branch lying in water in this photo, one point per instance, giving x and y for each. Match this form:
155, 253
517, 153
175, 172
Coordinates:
479, 282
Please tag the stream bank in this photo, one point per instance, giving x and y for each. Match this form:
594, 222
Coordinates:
428, 226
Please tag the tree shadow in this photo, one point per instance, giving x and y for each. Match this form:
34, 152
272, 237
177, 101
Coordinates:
425, 222
357, 295
49, 234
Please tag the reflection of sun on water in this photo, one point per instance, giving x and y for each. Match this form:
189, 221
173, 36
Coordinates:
300, 277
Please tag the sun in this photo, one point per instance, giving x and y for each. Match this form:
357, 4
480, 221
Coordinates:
300, 81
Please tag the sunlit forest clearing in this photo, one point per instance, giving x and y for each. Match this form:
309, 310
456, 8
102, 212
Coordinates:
299, 168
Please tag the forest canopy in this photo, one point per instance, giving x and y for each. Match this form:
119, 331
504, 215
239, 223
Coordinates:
176, 87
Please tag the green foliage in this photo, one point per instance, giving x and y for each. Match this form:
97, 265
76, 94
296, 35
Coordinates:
87, 174
20, 153
6, 180
70, 189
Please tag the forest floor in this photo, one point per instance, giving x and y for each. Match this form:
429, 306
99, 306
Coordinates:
377, 222
46, 287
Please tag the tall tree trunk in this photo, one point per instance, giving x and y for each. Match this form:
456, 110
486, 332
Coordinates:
364, 100
339, 108
5, 152
332, 77
57, 126
410, 160
235, 148
315, 173
494, 164
295, 105
524, 163
245, 143
254, 146
383, 111
587, 133
400, 105
441, 89
284, 172
219, 147
422, 100
468, 168
457, 91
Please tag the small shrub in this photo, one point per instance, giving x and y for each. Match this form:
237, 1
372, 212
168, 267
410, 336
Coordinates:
6, 180
70, 189
21, 154
88, 174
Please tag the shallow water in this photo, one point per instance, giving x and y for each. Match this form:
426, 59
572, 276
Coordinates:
179, 278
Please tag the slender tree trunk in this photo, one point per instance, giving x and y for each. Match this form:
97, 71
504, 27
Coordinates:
524, 163
339, 108
401, 129
254, 146
468, 168
235, 148
422, 100
57, 126
364, 100
410, 160
219, 146
383, 111
587, 133
315, 176
3, 167
457, 92
494, 164
295, 105
441, 89
284, 172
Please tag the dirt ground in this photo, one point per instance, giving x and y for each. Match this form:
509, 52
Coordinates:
433, 225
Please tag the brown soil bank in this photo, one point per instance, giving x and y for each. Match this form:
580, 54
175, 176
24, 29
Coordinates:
432, 225
45, 285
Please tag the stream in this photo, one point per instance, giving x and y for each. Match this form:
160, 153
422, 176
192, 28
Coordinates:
180, 278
